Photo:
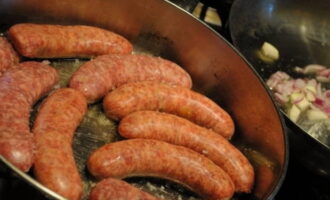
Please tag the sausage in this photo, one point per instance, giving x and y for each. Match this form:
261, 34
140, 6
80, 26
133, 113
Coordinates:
54, 127
179, 131
144, 157
20, 88
58, 41
115, 189
97, 77
180, 101
8, 56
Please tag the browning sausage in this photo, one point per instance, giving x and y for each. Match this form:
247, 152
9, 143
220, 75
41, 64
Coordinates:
156, 158
8, 56
58, 41
180, 101
179, 131
97, 77
55, 124
115, 189
20, 88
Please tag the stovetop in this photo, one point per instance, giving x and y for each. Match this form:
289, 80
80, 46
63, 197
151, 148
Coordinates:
299, 184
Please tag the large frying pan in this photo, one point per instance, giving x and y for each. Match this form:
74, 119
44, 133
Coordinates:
300, 30
217, 69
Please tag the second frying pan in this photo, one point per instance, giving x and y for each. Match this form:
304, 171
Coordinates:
300, 30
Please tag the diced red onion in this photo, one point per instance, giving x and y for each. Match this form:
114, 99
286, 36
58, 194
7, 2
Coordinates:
324, 72
277, 78
326, 110
296, 97
299, 69
313, 68
298, 100
312, 82
299, 84
319, 89
327, 94
323, 79
311, 90
310, 95
318, 102
316, 114
280, 98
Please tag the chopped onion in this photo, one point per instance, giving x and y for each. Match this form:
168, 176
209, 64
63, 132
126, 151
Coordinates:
299, 69
321, 72
294, 113
315, 114
327, 110
310, 92
280, 98
310, 95
299, 84
313, 68
303, 104
327, 94
277, 78
310, 88
312, 82
319, 102
298, 95
324, 72
323, 79
319, 89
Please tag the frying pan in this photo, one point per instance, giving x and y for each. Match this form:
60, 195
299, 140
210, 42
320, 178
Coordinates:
217, 69
300, 30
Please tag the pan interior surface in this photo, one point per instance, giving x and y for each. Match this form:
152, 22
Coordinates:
217, 70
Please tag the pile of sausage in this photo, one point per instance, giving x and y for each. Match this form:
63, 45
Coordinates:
172, 132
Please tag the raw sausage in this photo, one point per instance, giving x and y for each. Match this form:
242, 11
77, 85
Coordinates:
97, 77
180, 101
176, 100
58, 41
56, 122
115, 189
179, 131
8, 56
145, 157
20, 88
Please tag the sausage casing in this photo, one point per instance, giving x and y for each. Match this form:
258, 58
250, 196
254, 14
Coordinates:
179, 131
115, 189
20, 88
97, 77
157, 158
180, 101
58, 41
8, 56
55, 124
